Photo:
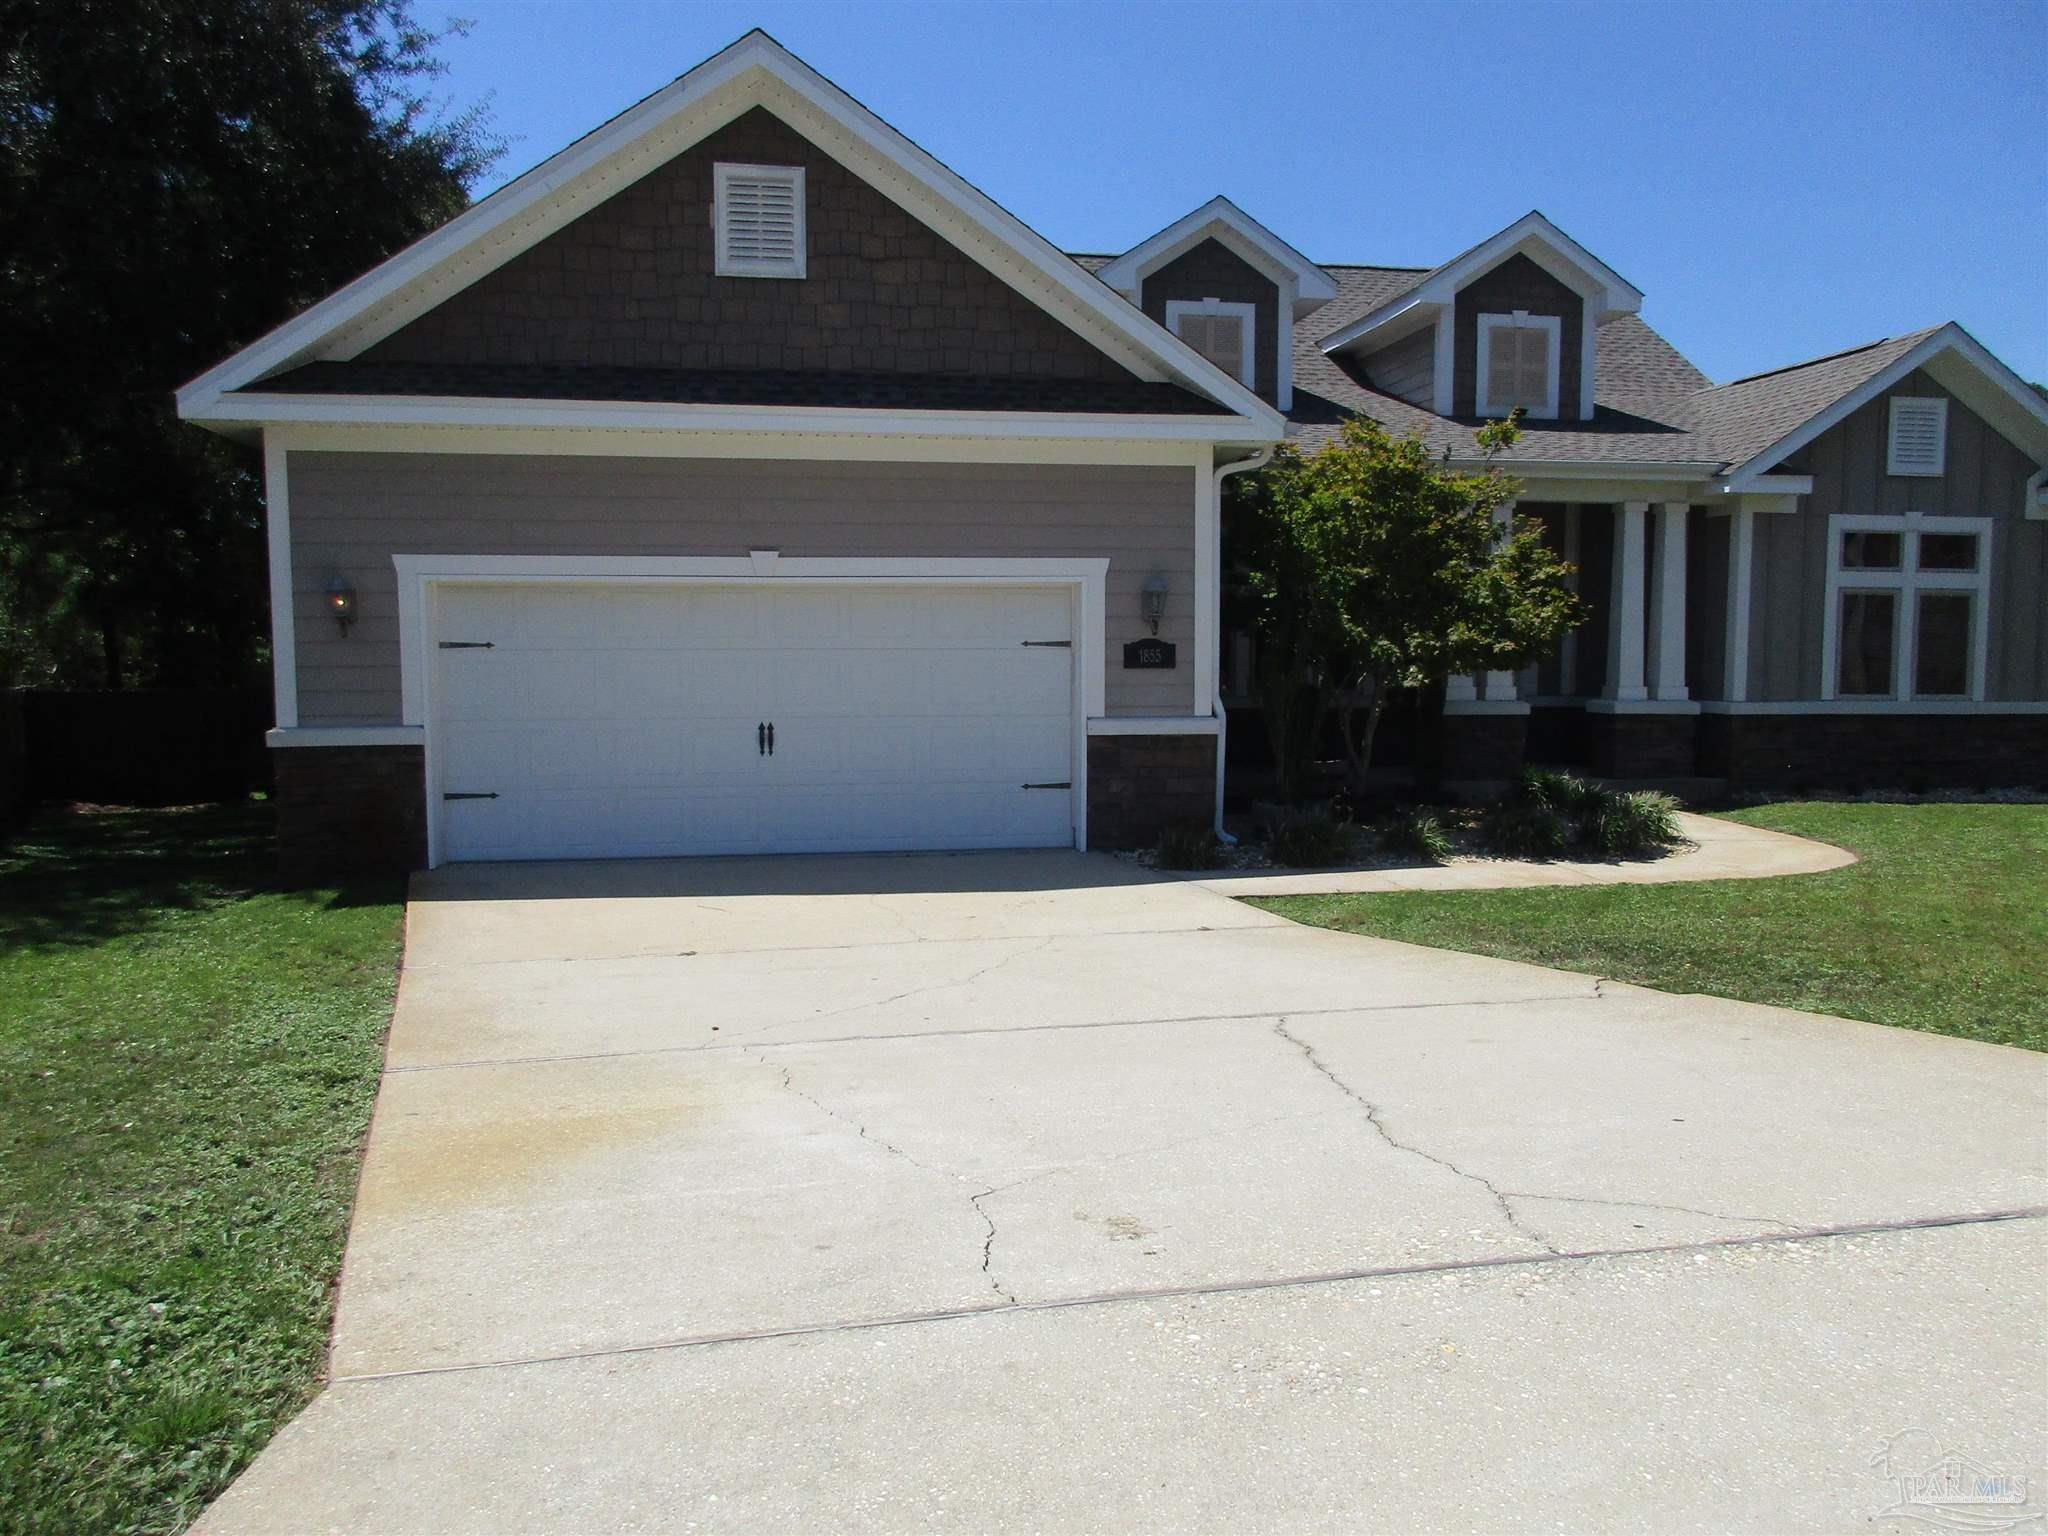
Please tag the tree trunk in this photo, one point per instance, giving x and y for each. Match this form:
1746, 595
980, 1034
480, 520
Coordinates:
110, 652
1357, 747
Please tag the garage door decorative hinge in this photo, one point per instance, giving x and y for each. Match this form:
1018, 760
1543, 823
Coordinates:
1063, 645
1063, 784
489, 794
467, 645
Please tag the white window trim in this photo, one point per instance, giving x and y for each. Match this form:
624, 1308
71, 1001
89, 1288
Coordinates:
1248, 366
421, 576
728, 266
1891, 429
1907, 583
1520, 319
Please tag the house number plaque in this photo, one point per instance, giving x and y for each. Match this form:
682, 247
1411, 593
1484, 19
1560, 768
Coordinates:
1149, 653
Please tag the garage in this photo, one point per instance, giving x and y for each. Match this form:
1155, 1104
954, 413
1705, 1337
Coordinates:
629, 718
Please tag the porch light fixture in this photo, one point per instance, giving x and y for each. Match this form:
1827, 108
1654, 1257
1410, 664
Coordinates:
341, 602
1152, 599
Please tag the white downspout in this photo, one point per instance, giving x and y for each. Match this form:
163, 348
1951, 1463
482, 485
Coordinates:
1235, 467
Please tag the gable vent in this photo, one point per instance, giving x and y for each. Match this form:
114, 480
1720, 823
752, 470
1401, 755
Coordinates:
1919, 436
759, 214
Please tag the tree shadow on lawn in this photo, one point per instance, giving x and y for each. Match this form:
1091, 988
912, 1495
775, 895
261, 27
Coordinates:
79, 875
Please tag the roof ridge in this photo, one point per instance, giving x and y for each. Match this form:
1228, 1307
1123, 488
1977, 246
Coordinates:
1829, 357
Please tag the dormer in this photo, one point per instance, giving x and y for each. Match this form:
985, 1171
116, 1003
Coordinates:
1230, 289
1510, 323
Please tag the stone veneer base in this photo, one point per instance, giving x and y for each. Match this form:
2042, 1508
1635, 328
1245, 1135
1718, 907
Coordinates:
350, 811
1138, 786
1885, 751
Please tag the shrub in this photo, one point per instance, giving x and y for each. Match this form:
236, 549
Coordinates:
1642, 821
1416, 832
1192, 845
1308, 839
1565, 793
1526, 829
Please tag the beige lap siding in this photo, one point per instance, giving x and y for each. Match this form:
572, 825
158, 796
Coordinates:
350, 513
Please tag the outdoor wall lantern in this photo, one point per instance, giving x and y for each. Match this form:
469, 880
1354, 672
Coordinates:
1152, 599
341, 602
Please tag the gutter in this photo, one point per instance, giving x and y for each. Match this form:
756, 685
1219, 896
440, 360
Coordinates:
1258, 460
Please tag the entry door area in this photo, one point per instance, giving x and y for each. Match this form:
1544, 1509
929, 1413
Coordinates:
638, 719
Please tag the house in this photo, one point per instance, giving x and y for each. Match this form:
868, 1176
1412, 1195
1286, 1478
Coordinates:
741, 479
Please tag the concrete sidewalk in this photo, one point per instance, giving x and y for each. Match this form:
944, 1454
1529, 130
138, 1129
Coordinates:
1720, 850
1033, 1191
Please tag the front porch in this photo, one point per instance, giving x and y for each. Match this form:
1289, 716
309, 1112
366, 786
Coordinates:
1616, 699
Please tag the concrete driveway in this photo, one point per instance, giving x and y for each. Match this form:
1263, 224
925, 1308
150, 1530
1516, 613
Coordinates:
1032, 1191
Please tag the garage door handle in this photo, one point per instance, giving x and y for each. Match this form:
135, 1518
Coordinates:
1059, 645
761, 739
1063, 784
490, 794
771, 738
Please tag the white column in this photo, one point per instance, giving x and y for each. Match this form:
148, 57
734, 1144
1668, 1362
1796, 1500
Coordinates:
1741, 562
1501, 685
1625, 606
1667, 605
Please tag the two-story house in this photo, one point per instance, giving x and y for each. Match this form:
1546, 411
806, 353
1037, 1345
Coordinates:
742, 479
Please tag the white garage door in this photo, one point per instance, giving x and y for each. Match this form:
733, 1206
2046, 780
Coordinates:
628, 720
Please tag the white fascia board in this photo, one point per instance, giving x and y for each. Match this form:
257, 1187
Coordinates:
1532, 235
755, 71
1690, 472
247, 410
1223, 220
2000, 393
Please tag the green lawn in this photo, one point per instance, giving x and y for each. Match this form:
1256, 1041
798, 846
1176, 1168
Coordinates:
187, 1060
1943, 926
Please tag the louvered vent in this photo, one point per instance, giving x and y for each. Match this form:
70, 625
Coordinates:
1919, 436
759, 211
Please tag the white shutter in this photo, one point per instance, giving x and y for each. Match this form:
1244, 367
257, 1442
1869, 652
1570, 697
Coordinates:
1502, 371
1919, 436
1532, 379
759, 210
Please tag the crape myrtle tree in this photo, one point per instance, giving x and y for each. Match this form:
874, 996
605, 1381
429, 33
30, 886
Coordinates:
1371, 566
176, 178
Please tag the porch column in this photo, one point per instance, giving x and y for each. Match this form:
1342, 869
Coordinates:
1667, 605
1460, 688
1501, 685
1625, 606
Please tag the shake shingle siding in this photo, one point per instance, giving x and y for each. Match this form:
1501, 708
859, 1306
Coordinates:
1407, 369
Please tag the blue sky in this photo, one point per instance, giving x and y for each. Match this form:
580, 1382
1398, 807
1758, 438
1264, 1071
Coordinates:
1781, 180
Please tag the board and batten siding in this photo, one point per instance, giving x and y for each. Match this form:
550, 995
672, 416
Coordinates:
1985, 476
351, 512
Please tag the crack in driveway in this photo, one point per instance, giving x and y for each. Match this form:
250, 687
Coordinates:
1372, 1117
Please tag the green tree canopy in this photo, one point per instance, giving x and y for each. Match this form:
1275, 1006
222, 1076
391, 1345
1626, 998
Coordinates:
176, 178
1371, 566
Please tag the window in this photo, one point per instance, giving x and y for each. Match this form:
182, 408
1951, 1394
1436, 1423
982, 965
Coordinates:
1518, 358
1221, 332
758, 214
1919, 436
1907, 607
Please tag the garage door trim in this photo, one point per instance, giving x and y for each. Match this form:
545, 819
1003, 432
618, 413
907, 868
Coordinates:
420, 575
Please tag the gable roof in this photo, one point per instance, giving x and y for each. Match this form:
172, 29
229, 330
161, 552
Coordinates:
1533, 235
1223, 221
755, 71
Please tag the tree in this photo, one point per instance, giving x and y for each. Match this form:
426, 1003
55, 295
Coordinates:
177, 177
1371, 566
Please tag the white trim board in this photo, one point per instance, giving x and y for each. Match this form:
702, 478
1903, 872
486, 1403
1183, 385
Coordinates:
347, 736
1930, 707
246, 411
756, 71
1153, 725
277, 521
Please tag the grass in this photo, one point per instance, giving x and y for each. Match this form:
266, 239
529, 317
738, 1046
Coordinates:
187, 1060
1941, 927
